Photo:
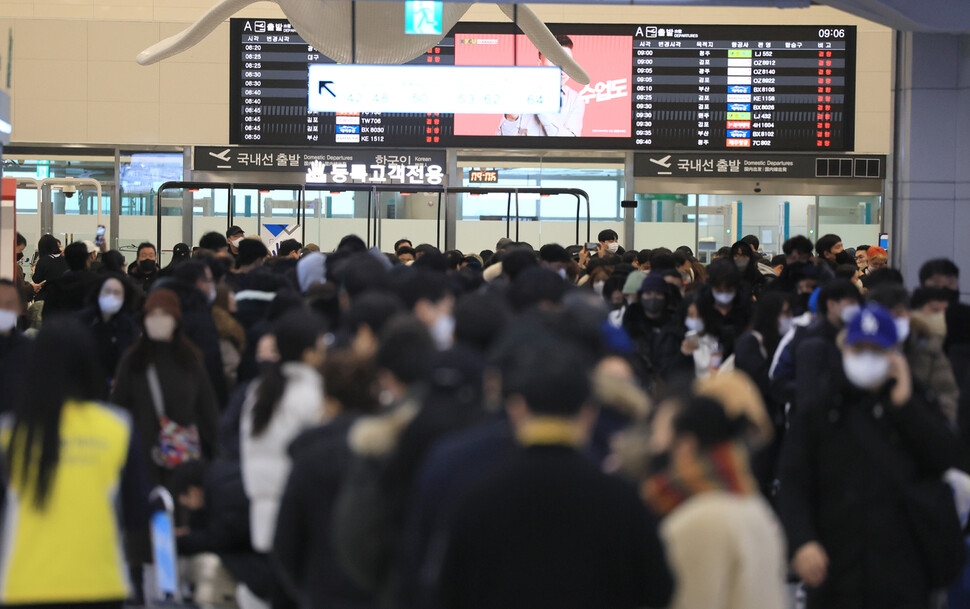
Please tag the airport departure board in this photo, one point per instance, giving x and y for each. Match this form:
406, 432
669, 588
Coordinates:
653, 86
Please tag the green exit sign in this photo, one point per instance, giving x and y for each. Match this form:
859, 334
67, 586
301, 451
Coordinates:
422, 17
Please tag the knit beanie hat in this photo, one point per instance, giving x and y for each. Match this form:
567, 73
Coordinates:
166, 300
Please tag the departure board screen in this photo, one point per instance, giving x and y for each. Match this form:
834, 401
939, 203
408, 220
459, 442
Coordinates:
653, 87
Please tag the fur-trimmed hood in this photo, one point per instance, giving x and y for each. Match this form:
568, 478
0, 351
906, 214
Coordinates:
377, 436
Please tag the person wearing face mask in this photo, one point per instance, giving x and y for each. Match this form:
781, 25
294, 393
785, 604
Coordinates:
162, 383
864, 449
630, 288
655, 330
15, 348
609, 243
699, 345
179, 393
924, 353
110, 321
830, 250
429, 297
725, 304
196, 288
943, 274
749, 265
234, 237
144, 270
837, 302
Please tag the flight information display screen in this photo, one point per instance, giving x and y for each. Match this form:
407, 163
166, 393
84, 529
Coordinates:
653, 87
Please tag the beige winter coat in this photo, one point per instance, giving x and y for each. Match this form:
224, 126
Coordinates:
726, 551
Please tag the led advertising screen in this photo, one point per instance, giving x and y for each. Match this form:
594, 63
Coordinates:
663, 87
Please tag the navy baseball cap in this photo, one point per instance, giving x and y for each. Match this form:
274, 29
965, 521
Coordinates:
872, 325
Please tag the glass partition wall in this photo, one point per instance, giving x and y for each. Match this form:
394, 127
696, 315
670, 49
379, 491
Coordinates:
708, 222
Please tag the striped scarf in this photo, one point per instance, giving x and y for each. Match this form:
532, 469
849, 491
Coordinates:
722, 468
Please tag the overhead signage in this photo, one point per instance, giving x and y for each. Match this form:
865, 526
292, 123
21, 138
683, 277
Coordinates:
329, 166
687, 87
761, 166
441, 89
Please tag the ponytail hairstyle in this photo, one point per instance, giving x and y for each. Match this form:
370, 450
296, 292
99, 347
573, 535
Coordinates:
296, 331
32, 455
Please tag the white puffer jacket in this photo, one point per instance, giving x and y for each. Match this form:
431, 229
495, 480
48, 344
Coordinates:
265, 461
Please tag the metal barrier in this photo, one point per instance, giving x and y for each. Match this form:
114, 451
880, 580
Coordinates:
374, 210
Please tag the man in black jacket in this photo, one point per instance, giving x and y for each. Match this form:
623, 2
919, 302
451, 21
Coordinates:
549, 529
845, 515
650, 323
67, 293
144, 270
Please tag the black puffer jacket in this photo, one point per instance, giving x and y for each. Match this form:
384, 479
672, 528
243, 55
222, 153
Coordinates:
658, 355
836, 493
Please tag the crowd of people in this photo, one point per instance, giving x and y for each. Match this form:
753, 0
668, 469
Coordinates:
570, 427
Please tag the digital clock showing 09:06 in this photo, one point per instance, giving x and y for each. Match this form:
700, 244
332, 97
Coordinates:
483, 176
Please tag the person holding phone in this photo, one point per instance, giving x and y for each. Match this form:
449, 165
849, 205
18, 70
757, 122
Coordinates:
858, 432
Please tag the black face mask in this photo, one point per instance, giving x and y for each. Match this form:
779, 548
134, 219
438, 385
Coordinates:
20, 256
653, 306
147, 266
844, 257
952, 295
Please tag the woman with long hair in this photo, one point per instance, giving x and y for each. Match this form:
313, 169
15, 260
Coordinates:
283, 402
161, 380
69, 465
50, 264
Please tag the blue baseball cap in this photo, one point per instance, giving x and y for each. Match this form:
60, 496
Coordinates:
872, 325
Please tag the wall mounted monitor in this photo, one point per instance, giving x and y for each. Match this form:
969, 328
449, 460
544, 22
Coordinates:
653, 87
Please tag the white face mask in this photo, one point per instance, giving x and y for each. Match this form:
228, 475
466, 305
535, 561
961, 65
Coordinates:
784, 325
613, 247
866, 370
902, 329
598, 287
8, 320
562, 273
235, 242
160, 327
694, 324
443, 332
110, 303
724, 298
848, 312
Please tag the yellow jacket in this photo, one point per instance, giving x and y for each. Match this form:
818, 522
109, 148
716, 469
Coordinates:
71, 549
